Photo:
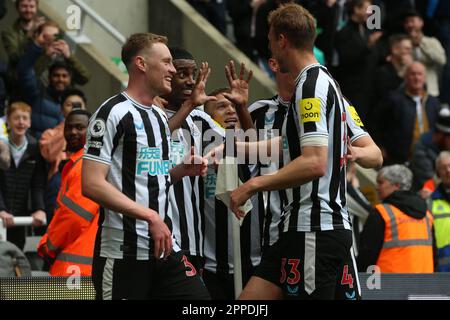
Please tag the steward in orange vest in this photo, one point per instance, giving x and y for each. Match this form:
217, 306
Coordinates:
69, 241
398, 235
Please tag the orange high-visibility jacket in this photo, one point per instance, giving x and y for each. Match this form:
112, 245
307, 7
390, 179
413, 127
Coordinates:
70, 237
408, 242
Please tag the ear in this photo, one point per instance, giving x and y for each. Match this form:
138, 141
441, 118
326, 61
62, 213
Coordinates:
282, 40
139, 61
273, 64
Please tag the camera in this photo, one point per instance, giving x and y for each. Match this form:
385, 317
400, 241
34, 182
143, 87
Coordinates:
76, 105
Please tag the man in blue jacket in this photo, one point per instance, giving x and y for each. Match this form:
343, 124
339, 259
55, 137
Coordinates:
45, 102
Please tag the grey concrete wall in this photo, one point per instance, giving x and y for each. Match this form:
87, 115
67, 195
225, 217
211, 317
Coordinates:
127, 16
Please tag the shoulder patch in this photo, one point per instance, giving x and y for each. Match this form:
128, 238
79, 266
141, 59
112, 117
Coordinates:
355, 116
97, 128
309, 110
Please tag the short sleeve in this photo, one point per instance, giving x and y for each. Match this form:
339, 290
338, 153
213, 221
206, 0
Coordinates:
100, 136
355, 126
311, 110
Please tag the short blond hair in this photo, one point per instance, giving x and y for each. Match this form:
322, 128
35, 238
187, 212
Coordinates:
138, 42
296, 23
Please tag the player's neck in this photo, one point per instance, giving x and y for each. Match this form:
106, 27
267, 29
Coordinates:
139, 92
300, 60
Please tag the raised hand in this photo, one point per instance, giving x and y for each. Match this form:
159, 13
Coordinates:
238, 85
63, 48
198, 95
194, 165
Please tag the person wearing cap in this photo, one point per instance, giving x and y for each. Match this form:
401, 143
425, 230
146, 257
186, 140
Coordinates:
429, 145
440, 207
427, 50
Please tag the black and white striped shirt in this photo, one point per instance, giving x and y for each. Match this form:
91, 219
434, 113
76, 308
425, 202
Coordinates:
269, 118
318, 117
218, 231
186, 196
134, 140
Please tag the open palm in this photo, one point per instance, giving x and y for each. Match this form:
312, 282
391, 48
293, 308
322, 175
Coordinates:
238, 85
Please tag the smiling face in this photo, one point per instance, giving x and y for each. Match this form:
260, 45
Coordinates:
27, 9
223, 112
413, 24
159, 69
75, 128
60, 79
19, 121
182, 82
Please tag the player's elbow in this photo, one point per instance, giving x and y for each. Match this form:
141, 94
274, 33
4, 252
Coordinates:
319, 169
378, 159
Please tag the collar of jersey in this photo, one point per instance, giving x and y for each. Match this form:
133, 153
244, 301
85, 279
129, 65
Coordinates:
282, 102
135, 102
306, 69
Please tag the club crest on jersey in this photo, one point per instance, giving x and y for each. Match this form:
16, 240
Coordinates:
97, 128
139, 126
309, 110
270, 119
355, 116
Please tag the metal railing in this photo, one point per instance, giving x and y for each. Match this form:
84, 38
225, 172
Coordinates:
86, 10
18, 222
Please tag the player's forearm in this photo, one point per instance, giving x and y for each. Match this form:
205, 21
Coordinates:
368, 153
370, 157
299, 171
177, 173
102, 192
244, 117
178, 118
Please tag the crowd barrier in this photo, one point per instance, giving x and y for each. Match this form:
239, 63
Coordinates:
386, 287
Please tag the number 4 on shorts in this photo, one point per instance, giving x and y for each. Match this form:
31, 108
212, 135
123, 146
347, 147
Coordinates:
347, 278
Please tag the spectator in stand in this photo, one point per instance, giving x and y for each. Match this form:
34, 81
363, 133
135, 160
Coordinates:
331, 17
405, 114
398, 234
15, 36
44, 101
440, 207
25, 177
262, 30
5, 155
393, 13
242, 13
440, 13
390, 75
214, 11
16, 39
53, 148
357, 49
70, 237
427, 50
427, 149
